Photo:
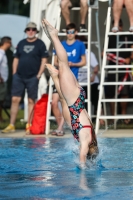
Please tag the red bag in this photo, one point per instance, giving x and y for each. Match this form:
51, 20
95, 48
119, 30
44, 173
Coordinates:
39, 116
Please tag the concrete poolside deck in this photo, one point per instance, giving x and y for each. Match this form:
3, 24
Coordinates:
102, 133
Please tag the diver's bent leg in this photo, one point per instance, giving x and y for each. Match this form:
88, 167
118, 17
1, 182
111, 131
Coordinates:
65, 110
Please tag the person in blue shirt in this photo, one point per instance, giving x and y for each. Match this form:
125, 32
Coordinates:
76, 58
75, 50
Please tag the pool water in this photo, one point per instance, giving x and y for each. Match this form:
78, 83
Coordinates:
47, 169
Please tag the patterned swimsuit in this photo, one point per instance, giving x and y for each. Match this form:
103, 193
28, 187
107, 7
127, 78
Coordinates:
75, 111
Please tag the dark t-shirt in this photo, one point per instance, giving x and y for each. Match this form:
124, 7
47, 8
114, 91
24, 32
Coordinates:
113, 45
30, 55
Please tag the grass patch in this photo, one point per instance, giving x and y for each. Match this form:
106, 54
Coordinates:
18, 125
119, 125
21, 124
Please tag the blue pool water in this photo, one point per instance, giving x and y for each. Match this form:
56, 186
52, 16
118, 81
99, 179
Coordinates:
47, 169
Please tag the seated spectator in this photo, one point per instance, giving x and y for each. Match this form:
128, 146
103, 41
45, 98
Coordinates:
5, 44
117, 9
122, 59
65, 8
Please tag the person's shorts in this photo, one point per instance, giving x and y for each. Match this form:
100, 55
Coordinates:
3, 91
76, 3
19, 85
110, 89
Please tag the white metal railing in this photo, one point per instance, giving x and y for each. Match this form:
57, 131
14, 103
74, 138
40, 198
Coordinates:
103, 73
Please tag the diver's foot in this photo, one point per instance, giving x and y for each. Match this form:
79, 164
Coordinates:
49, 29
53, 72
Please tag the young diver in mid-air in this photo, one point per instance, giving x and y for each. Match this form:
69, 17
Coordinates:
72, 97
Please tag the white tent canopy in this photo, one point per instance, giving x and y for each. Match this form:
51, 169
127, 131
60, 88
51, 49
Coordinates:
50, 9
13, 26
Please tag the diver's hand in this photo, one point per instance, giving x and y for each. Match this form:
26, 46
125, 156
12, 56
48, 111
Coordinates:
82, 166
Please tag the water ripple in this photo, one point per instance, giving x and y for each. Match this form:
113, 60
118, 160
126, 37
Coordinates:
47, 169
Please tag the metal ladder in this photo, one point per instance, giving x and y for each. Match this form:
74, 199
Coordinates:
116, 68
97, 43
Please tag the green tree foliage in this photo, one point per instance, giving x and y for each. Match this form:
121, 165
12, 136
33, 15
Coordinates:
14, 7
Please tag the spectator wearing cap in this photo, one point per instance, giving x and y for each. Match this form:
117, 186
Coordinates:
28, 65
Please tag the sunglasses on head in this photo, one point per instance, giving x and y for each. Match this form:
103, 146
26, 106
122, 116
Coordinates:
33, 29
70, 32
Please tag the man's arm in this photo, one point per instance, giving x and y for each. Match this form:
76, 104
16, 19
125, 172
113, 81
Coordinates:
94, 66
15, 65
127, 61
94, 73
42, 67
79, 64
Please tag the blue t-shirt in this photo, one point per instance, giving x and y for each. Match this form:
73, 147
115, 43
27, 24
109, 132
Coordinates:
74, 53
30, 55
